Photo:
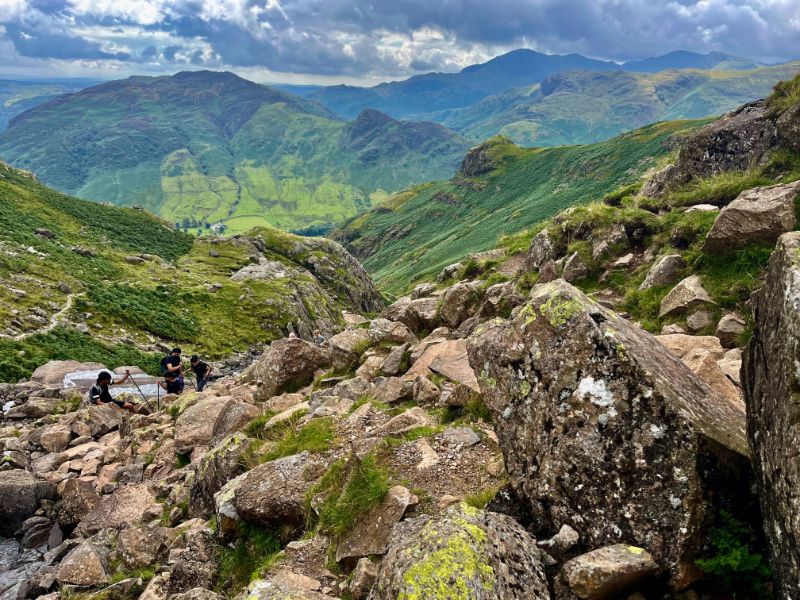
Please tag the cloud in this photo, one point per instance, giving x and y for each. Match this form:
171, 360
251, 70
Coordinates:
383, 38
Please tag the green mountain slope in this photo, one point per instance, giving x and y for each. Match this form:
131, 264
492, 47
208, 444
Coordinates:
79, 280
205, 147
501, 189
18, 96
581, 107
681, 59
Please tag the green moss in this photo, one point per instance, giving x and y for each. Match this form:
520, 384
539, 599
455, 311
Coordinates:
481, 498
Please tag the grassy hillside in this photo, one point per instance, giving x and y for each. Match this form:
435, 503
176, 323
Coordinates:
582, 107
419, 231
109, 284
203, 147
18, 96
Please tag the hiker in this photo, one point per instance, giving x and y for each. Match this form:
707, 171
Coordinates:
171, 363
319, 339
202, 371
171, 383
99, 393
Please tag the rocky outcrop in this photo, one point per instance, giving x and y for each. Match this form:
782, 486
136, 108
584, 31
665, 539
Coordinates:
757, 217
771, 382
466, 553
211, 419
541, 251
596, 418
287, 365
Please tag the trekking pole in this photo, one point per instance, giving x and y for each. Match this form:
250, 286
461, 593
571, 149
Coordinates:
189, 377
158, 400
140, 391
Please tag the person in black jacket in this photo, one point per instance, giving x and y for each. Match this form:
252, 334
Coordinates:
202, 371
99, 393
171, 363
171, 384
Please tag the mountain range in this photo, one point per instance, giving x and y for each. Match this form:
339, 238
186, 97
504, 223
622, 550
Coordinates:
18, 96
205, 146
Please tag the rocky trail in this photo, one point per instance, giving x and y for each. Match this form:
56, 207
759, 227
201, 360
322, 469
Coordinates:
53, 322
512, 438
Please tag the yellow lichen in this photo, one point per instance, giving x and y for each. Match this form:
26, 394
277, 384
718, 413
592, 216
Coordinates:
558, 310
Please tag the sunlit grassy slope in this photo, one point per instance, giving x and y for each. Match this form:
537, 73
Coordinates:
205, 147
416, 233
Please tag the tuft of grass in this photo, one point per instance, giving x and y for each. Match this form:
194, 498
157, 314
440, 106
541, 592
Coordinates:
481, 498
315, 436
182, 460
719, 189
785, 95
255, 428
352, 487
249, 557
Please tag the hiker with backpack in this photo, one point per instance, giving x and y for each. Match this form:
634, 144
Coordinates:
171, 363
201, 370
99, 393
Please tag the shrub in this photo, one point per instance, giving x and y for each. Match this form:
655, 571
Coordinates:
733, 562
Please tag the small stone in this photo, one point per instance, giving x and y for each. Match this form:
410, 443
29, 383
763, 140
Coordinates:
463, 436
363, 579
609, 571
672, 328
688, 294
729, 330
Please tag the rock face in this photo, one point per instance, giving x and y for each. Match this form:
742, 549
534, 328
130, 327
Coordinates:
608, 571
467, 553
771, 382
20, 495
756, 217
584, 400
287, 363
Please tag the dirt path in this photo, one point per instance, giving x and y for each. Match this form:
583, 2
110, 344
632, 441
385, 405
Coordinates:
54, 321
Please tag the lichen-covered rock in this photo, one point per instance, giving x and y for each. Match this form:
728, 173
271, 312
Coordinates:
607, 572
541, 251
771, 382
688, 294
756, 217
78, 498
288, 364
499, 300
139, 547
20, 496
462, 555
196, 565
574, 268
604, 430
217, 467
460, 302
665, 271
270, 495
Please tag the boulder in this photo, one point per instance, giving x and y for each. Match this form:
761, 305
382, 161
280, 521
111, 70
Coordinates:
729, 330
281, 589
665, 271
449, 272
412, 418
662, 182
84, 565
370, 535
465, 553
218, 466
771, 382
287, 365
460, 302
53, 372
608, 241
20, 496
384, 330
788, 126
578, 396
541, 250
417, 314
78, 499
447, 358
705, 365
348, 346
574, 268
55, 438
699, 320
363, 578
124, 508
738, 141
393, 363
140, 546
499, 300
371, 367
731, 365
196, 565
270, 495
756, 217
688, 294
197, 593
681, 344
608, 572
548, 272
210, 419
391, 390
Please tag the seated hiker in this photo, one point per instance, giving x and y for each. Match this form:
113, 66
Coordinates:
99, 393
171, 384
171, 363
202, 371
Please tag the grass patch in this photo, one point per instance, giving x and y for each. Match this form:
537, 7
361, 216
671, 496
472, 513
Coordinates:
785, 95
252, 554
481, 498
315, 436
719, 189
352, 487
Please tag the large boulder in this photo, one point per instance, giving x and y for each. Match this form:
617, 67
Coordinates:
460, 302
449, 359
688, 294
665, 271
771, 382
466, 553
418, 314
756, 217
541, 251
210, 419
85, 566
20, 496
347, 347
124, 508
225, 461
270, 495
604, 430
54, 372
287, 365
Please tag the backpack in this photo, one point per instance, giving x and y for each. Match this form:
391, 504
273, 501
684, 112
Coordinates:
164, 363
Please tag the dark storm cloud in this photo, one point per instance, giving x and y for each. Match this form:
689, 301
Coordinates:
392, 37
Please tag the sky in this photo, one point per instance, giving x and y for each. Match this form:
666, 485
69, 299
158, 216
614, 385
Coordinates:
363, 42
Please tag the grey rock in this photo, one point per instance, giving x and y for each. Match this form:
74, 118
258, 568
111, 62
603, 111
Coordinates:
574, 268
729, 330
665, 271
688, 294
699, 320
541, 251
287, 363
20, 496
608, 572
